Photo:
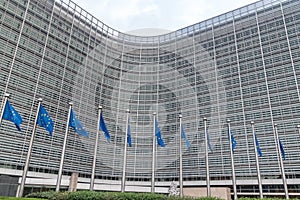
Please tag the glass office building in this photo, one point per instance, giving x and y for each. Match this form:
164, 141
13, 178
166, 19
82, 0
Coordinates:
243, 65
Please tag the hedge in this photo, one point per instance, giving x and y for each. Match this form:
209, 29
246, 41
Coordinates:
91, 195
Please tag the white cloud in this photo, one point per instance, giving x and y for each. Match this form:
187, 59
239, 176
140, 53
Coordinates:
166, 14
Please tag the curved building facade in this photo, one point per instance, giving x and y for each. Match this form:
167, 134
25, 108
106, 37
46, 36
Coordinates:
243, 65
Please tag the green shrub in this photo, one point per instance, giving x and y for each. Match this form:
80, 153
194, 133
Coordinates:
42, 195
50, 195
88, 195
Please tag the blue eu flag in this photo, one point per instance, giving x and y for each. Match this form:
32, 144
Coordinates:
76, 125
257, 146
232, 141
158, 135
129, 134
104, 128
183, 135
208, 141
12, 115
44, 120
282, 149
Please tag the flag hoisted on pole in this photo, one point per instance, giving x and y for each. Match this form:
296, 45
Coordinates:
73, 122
9, 113
257, 152
48, 126
206, 157
180, 157
281, 149
104, 128
76, 125
281, 154
208, 141
160, 141
127, 140
183, 135
128, 132
232, 144
95, 150
257, 146
153, 155
44, 120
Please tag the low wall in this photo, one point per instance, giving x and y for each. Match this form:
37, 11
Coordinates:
220, 192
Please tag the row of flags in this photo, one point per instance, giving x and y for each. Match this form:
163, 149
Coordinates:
44, 120
259, 152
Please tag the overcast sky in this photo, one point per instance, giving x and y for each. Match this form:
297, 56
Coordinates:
128, 15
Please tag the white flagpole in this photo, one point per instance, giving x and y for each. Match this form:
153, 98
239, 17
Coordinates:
153, 156
257, 162
232, 162
29, 151
206, 158
180, 157
125, 155
95, 150
6, 96
63, 151
281, 164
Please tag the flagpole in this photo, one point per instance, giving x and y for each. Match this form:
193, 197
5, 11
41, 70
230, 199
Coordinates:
153, 156
63, 151
180, 157
206, 158
232, 161
95, 150
281, 164
29, 151
6, 96
125, 155
257, 162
